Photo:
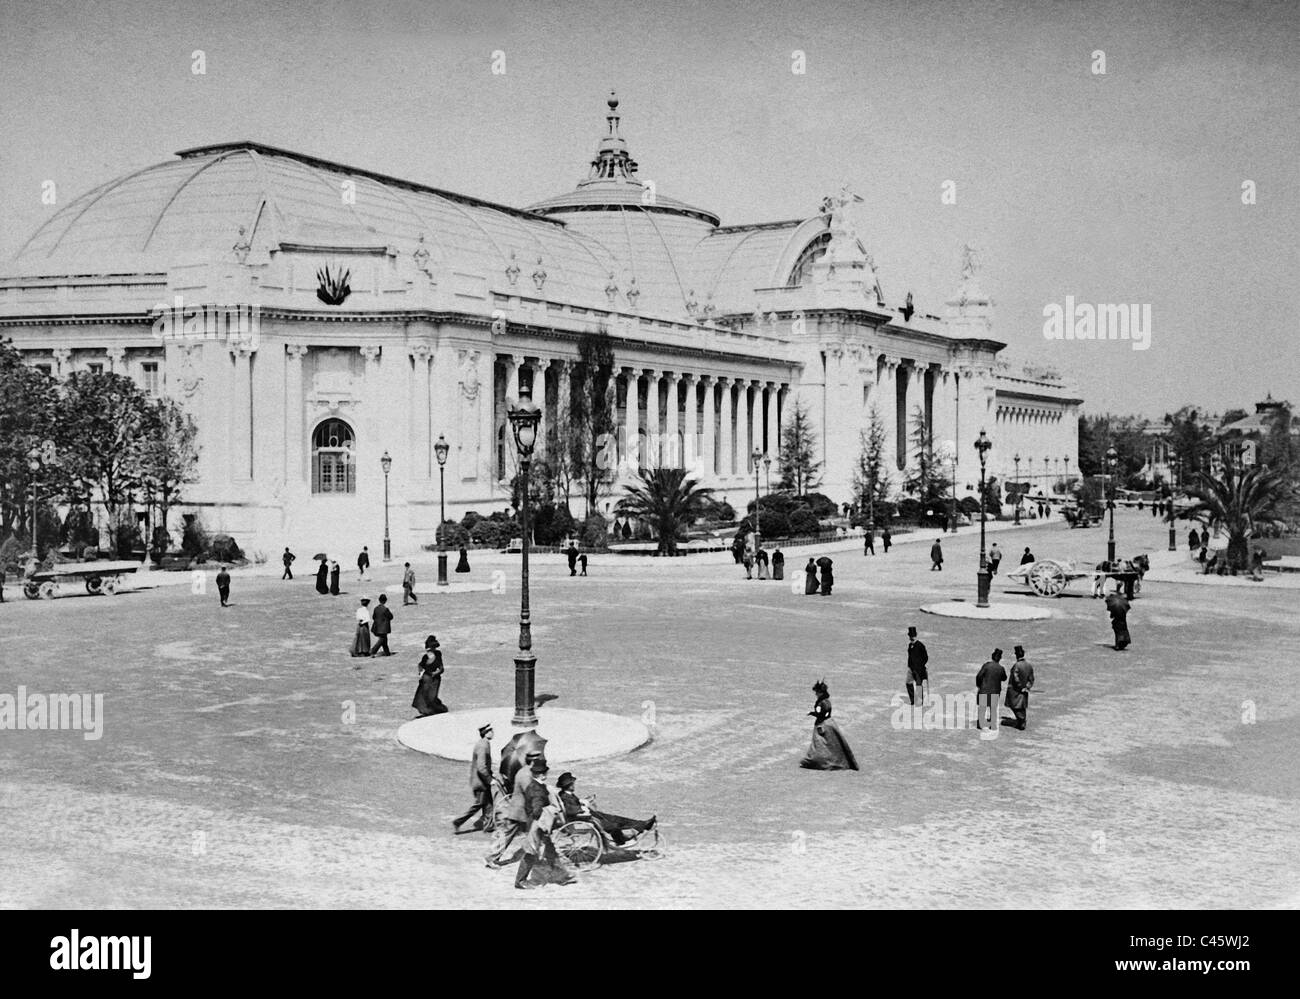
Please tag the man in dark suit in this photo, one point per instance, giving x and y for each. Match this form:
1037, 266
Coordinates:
917, 673
480, 783
936, 556
514, 815
287, 558
571, 553
988, 686
541, 817
1027, 558
223, 586
381, 626
1018, 685
363, 562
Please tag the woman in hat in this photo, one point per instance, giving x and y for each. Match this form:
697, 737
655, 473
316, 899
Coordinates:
778, 565
426, 700
828, 750
463, 564
322, 576
825, 563
361, 644
761, 559
810, 577
334, 578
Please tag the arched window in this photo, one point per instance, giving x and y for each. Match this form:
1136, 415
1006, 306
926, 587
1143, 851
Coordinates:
333, 466
814, 251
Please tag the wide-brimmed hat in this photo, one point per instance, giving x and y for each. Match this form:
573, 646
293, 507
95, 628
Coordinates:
365, 600
432, 642
485, 729
566, 779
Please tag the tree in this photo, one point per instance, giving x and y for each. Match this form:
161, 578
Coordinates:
27, 400
668, 500
1239, 504
1190, 442
929, 483
588, 421
1277, 448
871, 482
168, 455
800, 469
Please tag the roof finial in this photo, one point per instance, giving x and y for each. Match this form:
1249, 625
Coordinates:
612, 161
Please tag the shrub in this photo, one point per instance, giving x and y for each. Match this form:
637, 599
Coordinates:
469, 520
803, 521
969, 505
595, 532
453, 535
772, 524
194, 540
126, 537
718, 510
490, 533
552, 524
820, 504
910, 509
224, 549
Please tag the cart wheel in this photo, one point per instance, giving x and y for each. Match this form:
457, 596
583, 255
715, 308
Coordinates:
1047, 579
579, 843
32, 591
94, 584
48, 590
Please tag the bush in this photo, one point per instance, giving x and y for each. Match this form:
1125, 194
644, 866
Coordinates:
969, 505
491, 534
910, 509
595, 532
552, 524
803, 522
772, 524
820, 504
718, 510
224, 549
125, 538
469, 520
194, 540
452, 535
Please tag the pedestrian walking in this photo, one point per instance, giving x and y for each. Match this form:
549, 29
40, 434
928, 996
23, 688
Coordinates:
1193, 540
936, 556
223, 586
334, 579
514, 821
761, 559
361, 641
778, 565
287, 558
869, 543
381, 627
1118, 609
994, 558
810, 584
463, 564
1027, 558
918, 673
582, 564
426, 699
826, 565
571, 553
988, 686
408, 586
886, 539
363, 562
748, 560
322, 576
1018, 685
829, 750
480, 783
542, 819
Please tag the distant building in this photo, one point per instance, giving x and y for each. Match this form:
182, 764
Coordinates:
313, 316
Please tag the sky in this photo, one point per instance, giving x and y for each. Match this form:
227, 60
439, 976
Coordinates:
1115, 188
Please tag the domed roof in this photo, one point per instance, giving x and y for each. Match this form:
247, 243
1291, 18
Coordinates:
612, 183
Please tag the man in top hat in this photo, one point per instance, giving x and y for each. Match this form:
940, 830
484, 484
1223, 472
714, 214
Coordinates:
988, 686
1018, 685
541, 817
480, 782
917, 673
515, 813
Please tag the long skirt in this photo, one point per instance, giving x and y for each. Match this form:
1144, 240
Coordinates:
1120, 626
828, 580
762, 570
828, 750
463, 564
334, 582
361, 644
322, 584
810, 583
778, 570
426, 699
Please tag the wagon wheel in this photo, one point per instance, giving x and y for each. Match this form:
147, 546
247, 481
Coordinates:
32, 591
579, 843
110, 586
1047, 579
48, 590
94, 584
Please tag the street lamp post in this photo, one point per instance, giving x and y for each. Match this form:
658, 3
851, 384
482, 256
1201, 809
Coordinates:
1067, 473
1112, 460
1173, 488
525, 416
952, 470
984, 577
767, 475
441, 449
34, 464
1016, 459
387, 462
758, 457
1047, 475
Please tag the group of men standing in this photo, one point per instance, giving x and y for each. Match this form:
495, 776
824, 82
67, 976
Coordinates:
988, 683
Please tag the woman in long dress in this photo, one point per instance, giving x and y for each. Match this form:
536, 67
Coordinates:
426, 700
828, 750
761, 558
322, 582
810, 584
361, 644
778, 565
334, 578
463, 564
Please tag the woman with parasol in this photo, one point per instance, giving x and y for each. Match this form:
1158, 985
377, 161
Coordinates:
322, 574
828, 575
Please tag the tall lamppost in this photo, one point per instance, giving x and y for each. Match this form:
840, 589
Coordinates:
767, 474
982, 445
1067, 473
1016, 459
1047, 475
387, 462
1173, 488
758, 457
1112, 461
441, 449
952, 471
525, 416
34, 464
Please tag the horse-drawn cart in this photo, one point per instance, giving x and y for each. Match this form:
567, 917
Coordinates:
62, 578
1052, 577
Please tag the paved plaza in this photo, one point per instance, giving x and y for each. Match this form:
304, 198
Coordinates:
245, 761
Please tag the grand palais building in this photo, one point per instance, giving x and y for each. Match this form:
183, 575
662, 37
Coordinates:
206, 278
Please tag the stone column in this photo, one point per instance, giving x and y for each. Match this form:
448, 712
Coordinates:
671, 450
689, 456
755, 425
631, 421
241, 413
294, 445
726, 461
420, 410
708, 429
513, 363
773, 446
653, 436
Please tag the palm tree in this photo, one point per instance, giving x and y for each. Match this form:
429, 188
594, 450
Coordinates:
1238, 503
667, 500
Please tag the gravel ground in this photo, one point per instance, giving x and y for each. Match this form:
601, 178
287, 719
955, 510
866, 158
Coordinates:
246, 762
